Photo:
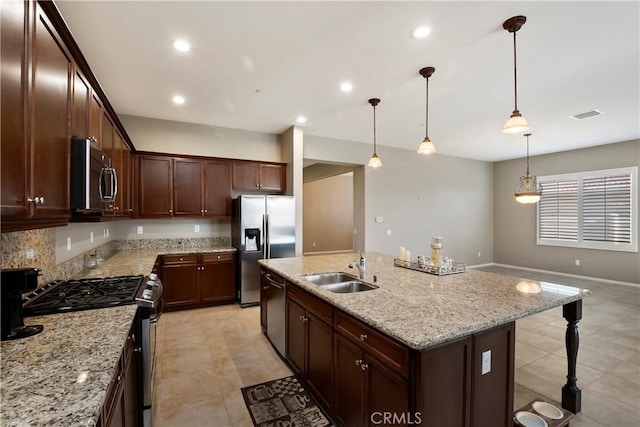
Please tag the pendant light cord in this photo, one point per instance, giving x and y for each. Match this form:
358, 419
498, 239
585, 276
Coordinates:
426, 120
374, 129
527, 155
515, 74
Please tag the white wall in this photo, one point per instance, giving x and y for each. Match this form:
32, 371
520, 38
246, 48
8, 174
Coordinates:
419, 197
167, 136
172, 228
80, 234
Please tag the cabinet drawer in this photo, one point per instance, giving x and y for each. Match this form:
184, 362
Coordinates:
395, 355
217, 256
180, 259
315, 305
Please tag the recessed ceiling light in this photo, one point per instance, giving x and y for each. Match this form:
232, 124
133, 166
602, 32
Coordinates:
346, 87
301, 119
178, 99
420, 32
182, 46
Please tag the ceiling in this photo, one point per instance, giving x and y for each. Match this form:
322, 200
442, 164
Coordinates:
258, 65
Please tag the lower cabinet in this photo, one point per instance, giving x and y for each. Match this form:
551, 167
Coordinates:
198, 280
310, 342
363, 377
121, 403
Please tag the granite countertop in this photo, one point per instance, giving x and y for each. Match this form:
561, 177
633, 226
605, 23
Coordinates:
422, 310
134, 262
40, 375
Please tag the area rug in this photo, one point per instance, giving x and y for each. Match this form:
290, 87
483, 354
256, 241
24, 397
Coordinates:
283, 402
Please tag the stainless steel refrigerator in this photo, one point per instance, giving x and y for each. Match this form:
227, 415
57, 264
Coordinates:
262, 227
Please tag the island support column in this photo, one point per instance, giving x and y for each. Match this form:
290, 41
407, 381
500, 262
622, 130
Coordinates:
571, 394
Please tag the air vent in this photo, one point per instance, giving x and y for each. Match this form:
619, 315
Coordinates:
586, 114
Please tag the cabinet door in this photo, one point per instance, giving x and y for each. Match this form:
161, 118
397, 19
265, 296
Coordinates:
394, 399
348, 397
320, 358
117, 163
126, 180
245, 176
108, 149
156, 182
218, 279
180, 285
130, 383
13, 78
50, 138
217, 188
264, 296
273, 177
187, 187
95, 119
81, 105
296, 336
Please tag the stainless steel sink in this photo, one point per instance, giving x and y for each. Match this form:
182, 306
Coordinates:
329, 278
338, 282
349, 287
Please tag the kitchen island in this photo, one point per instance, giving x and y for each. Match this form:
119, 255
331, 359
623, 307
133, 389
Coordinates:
427, 314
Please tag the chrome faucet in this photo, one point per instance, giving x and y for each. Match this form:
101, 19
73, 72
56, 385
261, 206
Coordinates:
361, 266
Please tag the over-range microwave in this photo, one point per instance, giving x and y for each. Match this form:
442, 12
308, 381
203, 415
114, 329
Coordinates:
93, 180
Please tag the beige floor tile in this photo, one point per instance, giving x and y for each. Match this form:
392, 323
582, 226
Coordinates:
526, 353
629, 371
593, 359
522, 396
581, 420
542, 342
617, 388
607, 411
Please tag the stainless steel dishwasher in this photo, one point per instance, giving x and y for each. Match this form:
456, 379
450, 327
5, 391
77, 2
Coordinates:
276, 310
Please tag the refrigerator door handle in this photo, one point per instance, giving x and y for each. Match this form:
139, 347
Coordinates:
267, 243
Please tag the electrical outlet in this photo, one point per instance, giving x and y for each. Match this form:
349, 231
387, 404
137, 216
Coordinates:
578, 262
31, 254
91, 237
486, 362
68, 243
313, 244
104, 233
389, 232
478, 254
379, 219
107, 232
196, 228
139, 229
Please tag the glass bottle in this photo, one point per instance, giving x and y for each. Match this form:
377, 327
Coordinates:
436, 252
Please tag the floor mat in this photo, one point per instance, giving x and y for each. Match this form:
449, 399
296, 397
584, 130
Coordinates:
283, 402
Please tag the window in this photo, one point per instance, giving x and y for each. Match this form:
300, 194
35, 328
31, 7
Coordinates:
596, 210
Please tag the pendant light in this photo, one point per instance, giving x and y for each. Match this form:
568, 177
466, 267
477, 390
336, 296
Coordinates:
527, 192
374, 161
516, 123
427, 147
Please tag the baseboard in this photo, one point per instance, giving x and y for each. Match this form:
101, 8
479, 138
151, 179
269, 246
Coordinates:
488, 264
577, 276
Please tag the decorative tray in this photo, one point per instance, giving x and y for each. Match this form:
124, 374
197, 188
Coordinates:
456, 267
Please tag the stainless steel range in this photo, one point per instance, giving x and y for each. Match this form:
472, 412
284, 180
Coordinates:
86, 294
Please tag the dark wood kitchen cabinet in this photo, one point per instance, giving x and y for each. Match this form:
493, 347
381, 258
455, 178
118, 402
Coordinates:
198, 187
95, 119
198, 280
81, 105
309, 340
36, 112
366, 362
120, 407
257, 176
155, 186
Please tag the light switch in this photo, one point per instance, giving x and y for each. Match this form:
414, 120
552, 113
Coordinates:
107, 232
196, 228
139, 229
31, 254
91, 237
389, 232
68, 243
379, 219
486, 362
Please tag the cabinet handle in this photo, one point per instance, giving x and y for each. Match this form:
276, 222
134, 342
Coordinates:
302, 318
218, 256
34, 201
181, 259
117, 208
358, 362
201, 268
93, 139
201, 211
363, 337
205, 211
119, 378
364, 366
265, 288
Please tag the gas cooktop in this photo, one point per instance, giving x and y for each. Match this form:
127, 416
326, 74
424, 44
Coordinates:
82, 294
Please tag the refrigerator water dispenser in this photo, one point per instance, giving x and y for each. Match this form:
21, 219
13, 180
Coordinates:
251, 239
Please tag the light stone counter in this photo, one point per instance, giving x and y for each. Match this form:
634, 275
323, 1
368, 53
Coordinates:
422, 310
39, 375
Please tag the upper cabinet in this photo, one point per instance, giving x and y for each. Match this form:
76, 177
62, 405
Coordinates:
258, 176
185, 186
36, 94
49, 94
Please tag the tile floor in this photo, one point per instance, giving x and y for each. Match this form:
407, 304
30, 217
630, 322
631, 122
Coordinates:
205, 356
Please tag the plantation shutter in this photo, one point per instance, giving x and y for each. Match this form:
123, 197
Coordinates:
607, 208
558, 210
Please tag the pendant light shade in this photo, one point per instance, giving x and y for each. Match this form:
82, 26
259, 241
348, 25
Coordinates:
527, 191
516, 123
374, 161
426, 147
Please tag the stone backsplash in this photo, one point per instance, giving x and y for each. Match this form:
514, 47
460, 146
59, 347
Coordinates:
42, 242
